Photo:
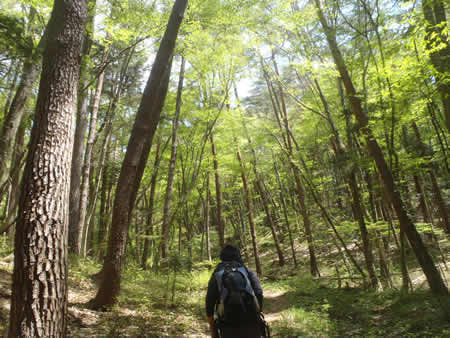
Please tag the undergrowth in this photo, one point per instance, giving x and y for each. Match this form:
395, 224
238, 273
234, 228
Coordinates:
313, 309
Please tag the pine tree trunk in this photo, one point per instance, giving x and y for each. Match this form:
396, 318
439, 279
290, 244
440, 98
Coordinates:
135, 160
39, 292
434, 278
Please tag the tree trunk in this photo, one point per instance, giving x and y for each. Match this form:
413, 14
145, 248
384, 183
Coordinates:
434, 278
287, 135
265, 203
436, 26
207, 211
286, 218
39, 292
171, 173
150, 206
30, 73
84, 190
75, 176
356, 202
251, 221
139, 145
220, 223
442, 207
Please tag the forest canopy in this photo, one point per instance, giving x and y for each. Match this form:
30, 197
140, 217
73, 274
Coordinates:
146, 135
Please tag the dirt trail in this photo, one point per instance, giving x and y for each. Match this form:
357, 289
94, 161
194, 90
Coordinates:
275, 301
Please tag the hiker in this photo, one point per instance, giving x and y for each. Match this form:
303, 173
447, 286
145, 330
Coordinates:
234, 299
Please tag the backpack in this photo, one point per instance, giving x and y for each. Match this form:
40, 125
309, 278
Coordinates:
237, 301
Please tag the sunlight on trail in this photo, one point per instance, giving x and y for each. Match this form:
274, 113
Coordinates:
275, 301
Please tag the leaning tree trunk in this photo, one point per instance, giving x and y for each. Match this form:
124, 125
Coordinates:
139, 145
434, 278
39, 292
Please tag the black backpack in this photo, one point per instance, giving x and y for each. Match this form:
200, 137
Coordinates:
237, 302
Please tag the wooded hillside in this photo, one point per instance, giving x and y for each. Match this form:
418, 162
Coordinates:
139, 137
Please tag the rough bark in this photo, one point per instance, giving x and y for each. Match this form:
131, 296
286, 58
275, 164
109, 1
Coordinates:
39, 293
434, 278
139, 145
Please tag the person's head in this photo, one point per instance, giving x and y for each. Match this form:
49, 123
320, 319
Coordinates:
231, 253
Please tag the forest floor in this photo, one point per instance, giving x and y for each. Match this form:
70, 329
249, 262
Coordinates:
171, 304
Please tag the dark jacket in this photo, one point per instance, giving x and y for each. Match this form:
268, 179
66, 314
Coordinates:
212, 295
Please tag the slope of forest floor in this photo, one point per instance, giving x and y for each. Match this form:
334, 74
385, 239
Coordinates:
169, 303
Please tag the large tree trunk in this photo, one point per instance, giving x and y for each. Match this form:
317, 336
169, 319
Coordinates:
425, 260
39, 293
139, 145
171, 173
